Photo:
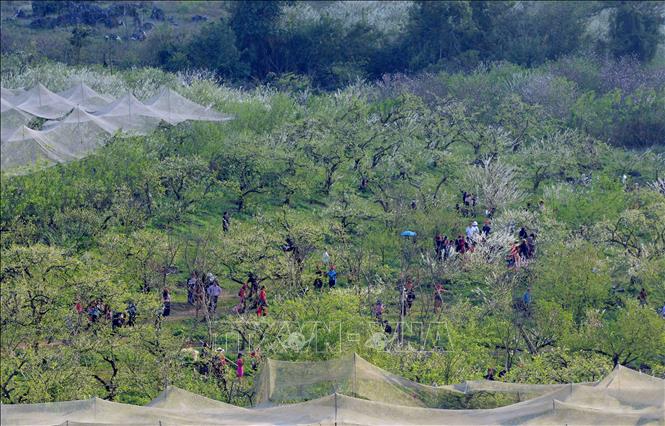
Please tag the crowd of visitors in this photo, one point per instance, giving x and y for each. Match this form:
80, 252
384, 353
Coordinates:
217, 364
520, 252
252, 296
203, 290
97, 311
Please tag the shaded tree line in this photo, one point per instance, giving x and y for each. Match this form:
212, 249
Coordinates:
254, 42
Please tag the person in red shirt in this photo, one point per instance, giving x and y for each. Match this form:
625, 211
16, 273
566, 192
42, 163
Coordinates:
460, 244
262, 309
79, 307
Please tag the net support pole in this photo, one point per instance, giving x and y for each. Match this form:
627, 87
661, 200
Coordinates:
271, 380
335, 408
353, 389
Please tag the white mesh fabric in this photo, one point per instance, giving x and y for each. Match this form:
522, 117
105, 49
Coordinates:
26, 146
130, 115
11, 119
41, 102
82, 95
571, 414
81, 120
12, 96
282, 382
77, 117
574, 404
633, 388
175, 108
174, 398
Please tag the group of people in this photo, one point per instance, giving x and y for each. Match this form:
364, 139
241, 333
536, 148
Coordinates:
468, 206
321, 274
522, 250
378, 310
217, 363
202, 290
252, 295
97, 310
445, 248
491, 373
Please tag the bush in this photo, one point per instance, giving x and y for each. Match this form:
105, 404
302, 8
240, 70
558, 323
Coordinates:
633, 120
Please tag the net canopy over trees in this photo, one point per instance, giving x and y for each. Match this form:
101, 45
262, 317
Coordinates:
81, 94
39, 126
350, 390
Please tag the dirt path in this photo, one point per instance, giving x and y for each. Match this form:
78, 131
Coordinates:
183, 310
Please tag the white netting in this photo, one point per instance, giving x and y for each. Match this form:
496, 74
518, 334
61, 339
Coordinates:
80, 120
41, 102
12, 96
82, 95
174, 108
625, 397
131, 115
12, 118
79, 117
26, 146
283, 382
178, 399
73, 138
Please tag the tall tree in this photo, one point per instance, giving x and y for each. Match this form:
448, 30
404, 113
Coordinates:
78, 39
213, 48
635, 29
438, 30
255, 26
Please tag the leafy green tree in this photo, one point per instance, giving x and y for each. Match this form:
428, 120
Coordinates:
438, 31
212, 48
562, 366
523, 38
45, 340
558, 157
575, 275
631, 335
635, 29
78, 39
243, 173
254, 24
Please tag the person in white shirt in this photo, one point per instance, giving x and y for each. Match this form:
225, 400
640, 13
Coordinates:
214, 291
472, 229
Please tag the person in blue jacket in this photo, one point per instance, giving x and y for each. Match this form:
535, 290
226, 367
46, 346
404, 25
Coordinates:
332, 276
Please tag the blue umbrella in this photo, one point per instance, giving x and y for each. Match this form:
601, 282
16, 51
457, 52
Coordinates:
408, 234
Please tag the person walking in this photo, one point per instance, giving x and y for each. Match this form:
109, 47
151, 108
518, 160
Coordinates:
191, 284
262, 309
226, 221
131, 314
472, 230
166, 300
642, 297
487, 228
240, 367
332, 276
214, 291
378, 311
318, 279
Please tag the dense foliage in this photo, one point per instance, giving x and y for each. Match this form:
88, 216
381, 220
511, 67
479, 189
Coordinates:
333, 43
328, 45
344, 172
